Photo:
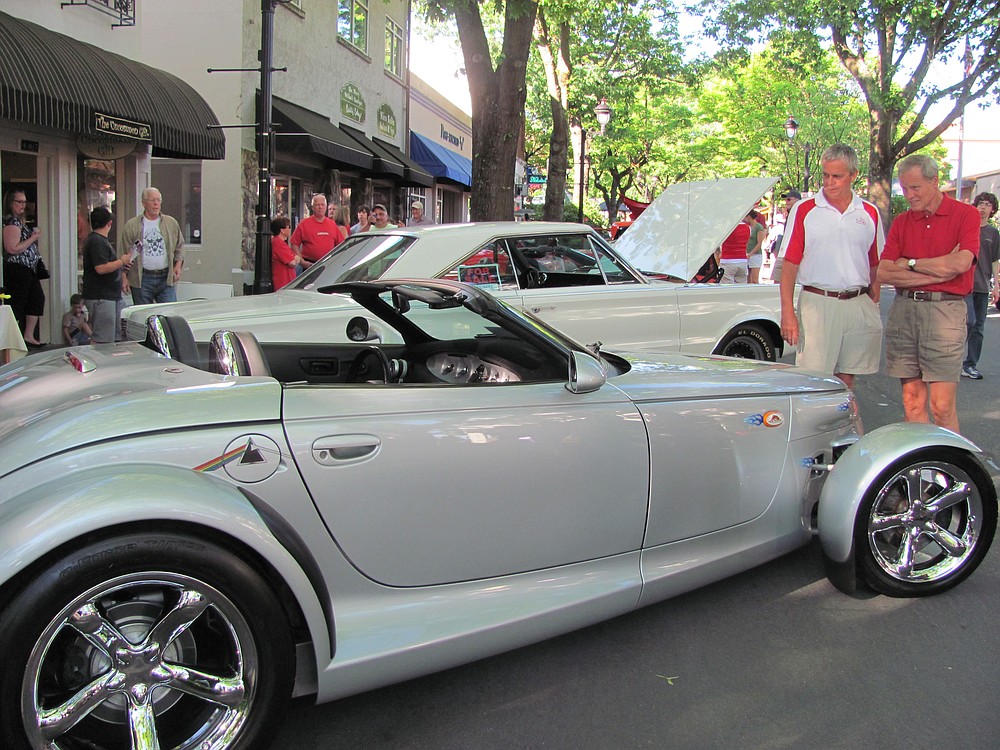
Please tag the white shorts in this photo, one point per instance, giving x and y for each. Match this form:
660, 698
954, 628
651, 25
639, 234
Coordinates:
734, 271
839, 335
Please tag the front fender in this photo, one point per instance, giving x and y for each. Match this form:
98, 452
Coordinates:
856, 471
56, 512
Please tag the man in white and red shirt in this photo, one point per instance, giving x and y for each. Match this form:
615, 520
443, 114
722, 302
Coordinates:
833, 245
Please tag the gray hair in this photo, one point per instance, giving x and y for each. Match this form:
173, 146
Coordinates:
927, 166
842, 152
148, 192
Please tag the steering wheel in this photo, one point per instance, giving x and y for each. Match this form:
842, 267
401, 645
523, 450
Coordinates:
533, 278
369, 366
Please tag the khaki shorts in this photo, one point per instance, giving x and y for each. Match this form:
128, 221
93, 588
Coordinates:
925, 339
839, 335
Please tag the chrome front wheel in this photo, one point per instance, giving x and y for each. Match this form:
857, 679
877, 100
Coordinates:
925, 525
163, 657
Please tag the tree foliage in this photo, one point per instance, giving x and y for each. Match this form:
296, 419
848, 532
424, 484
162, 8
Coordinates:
890, 50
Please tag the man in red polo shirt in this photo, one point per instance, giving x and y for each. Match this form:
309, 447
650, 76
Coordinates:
832, 244
929, 257
316, 236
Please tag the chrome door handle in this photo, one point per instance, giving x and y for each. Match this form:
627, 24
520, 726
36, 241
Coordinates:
338, 449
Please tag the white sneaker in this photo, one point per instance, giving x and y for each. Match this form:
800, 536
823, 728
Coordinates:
971, 372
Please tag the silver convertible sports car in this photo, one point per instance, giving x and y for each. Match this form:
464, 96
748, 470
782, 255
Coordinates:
564, 274
190, 534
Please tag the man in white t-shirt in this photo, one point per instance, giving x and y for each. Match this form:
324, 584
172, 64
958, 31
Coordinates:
160, 259
832, 245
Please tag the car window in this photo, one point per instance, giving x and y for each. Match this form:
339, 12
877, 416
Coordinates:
358, 258
562, 260
489, 267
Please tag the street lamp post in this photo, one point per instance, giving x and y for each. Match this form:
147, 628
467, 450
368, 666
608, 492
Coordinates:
791, 129
603, 113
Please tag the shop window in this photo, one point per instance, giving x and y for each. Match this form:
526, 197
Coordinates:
352, 23
393, 48
179, 182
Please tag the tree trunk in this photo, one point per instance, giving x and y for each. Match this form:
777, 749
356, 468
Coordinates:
881, 162
556, 62
498, 96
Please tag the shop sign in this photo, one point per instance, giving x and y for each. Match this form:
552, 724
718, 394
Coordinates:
106, 149
122, 128
455, 140
386, 121
352, 103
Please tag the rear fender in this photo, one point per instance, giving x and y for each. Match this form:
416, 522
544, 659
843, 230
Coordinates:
95, 500
857, 470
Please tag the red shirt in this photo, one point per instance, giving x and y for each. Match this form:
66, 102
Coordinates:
317, 238
734, 247
915, 234
281, 256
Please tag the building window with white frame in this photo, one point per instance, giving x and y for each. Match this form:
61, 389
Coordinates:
352, 23
393, 48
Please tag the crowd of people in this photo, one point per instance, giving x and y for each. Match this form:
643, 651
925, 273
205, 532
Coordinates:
326, 227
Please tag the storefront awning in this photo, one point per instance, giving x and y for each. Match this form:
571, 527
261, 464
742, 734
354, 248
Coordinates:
297, 126
390, 161
48, 79
441, 162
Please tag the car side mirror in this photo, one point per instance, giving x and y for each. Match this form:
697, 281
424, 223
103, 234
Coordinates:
586, 374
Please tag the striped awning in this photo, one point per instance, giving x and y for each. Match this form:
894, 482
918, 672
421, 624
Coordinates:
48, 79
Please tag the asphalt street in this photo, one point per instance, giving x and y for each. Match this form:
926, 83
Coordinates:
773, 658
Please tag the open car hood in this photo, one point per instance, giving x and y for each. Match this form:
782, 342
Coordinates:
687, 222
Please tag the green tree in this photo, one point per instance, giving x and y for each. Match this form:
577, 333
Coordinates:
588, 51
495, 65
889, 50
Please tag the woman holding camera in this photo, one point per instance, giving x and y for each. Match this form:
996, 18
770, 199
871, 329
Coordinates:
22, 267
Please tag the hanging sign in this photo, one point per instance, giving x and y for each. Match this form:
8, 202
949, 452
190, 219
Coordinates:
106, 149
122, 128
352, 103
386, 121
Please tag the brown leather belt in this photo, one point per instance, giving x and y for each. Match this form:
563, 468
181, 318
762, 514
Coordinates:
849, 294
921, 296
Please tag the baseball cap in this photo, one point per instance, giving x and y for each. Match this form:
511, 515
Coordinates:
417, 204
793, 193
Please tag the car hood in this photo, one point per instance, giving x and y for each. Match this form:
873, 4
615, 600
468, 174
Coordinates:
667, 376
47, 405
687, 223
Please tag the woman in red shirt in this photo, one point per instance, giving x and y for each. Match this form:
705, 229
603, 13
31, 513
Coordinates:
284, 262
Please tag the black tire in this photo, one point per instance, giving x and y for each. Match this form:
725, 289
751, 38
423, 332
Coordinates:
925, 525
174, 636
748, 341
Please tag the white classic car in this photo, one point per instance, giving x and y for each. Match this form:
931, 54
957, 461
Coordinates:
192, 533
565, 274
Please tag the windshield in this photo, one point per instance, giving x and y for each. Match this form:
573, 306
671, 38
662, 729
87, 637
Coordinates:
363, 257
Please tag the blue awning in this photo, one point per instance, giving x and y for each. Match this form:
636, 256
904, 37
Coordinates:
441, 162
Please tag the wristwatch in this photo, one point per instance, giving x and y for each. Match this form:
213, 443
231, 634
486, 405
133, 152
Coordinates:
912, 263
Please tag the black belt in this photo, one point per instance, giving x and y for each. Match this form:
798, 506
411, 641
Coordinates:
161, 271
849, 294
921, 296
